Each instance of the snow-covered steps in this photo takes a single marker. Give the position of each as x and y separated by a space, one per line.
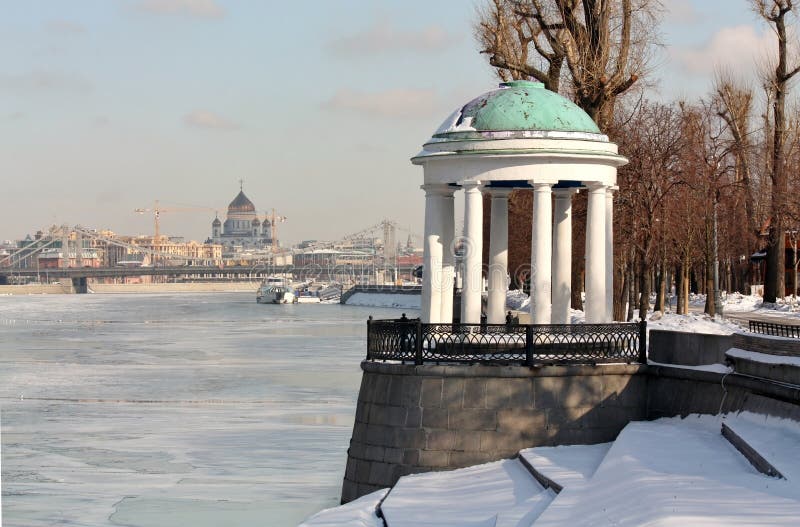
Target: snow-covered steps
357 513
776 441
781 368
758 461
564 466
501 493
676 472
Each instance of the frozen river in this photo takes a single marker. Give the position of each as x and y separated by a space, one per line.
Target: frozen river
166 410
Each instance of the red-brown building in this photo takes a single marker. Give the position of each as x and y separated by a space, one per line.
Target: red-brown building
55 259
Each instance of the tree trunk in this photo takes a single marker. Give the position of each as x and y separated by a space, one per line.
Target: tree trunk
644 289
620 291
661 282
774 270
631 291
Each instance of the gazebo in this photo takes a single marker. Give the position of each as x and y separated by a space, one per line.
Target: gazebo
517 136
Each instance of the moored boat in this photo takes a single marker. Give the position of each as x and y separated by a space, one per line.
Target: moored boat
275 294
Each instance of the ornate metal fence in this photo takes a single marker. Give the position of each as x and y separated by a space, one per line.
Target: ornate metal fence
778 330
413 341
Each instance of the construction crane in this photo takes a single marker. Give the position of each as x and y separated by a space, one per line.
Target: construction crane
157 209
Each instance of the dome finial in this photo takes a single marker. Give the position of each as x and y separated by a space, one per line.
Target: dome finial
241 184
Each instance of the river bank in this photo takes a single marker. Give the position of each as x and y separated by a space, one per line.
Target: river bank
169 287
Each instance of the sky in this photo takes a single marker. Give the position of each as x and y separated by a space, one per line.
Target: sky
316 106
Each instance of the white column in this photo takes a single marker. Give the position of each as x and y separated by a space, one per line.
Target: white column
498 257
610 253
448 256
432 254
473 249
596 255
562 255
541 252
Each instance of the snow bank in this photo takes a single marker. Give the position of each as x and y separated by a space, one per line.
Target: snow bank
738 303
692 323
398 300
498 493
517 300
566 465
678 472
357 513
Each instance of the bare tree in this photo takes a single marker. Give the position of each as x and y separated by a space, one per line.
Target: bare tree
654 143
593 50
775 13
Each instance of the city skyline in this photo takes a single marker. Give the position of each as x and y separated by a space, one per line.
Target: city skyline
109 106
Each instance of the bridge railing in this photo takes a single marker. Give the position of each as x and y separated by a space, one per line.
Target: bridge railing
777 330
527 344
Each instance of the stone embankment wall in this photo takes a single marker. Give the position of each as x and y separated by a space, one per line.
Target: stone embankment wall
198 287
37 289
420 418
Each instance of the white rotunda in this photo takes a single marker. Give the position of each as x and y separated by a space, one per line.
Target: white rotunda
517 136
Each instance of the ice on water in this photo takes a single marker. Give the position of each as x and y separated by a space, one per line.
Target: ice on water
193 409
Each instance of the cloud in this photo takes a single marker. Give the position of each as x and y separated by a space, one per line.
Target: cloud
192 8
65 27
382 38
208 120
42 82
681 12
729 48
396 104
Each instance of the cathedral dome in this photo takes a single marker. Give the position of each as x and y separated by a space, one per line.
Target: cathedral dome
241 204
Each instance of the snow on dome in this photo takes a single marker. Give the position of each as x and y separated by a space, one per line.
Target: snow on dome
520 109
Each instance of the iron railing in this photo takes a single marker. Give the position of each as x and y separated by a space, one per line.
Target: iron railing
777 330
528 344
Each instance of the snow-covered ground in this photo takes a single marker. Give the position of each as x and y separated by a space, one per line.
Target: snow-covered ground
693 322
669 472
739 303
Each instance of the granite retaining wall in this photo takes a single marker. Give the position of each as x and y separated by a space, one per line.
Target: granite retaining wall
419 418
690 349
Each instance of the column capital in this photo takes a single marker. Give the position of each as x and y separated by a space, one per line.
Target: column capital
540 185
471 184
438 189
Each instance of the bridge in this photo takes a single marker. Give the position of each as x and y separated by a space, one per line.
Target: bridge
81 275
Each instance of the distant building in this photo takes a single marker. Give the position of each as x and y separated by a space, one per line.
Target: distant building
131 251
59 259
242 227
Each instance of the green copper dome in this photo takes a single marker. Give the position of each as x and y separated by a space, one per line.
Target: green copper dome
517 106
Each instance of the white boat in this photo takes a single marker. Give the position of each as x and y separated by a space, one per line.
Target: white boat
275 290
275 294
